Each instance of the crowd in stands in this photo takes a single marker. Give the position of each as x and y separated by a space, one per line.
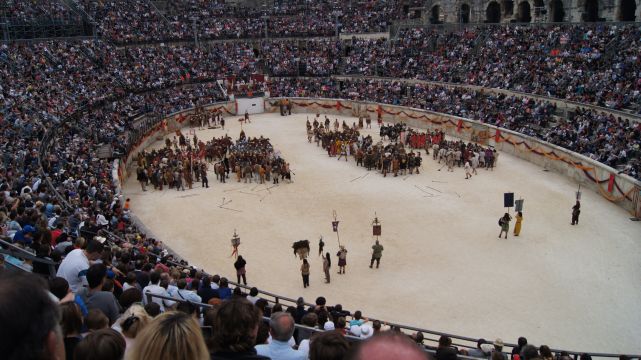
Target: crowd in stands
69 97
112 318
34 11
141 21
588 64
311 58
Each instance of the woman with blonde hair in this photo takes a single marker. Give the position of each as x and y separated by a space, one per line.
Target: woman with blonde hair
132 322
172 335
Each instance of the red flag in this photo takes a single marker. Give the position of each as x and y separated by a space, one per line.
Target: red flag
611 183
459 126
338 105
497 136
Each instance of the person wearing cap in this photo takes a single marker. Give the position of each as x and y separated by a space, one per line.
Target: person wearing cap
366 331
355 330
329 326
498 348
24 236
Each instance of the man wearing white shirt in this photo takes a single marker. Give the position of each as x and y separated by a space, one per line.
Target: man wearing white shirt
281 329
184 294
74 266
155 289
253 295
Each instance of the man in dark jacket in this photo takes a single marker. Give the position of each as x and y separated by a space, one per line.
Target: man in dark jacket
236 327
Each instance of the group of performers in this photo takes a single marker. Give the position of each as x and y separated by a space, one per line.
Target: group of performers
401 155
204 119
180 163
470 156
392 158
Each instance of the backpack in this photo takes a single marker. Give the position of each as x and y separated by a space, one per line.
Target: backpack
500 221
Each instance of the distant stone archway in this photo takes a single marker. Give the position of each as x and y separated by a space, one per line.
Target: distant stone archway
493 13
524 12
508 7
435 14
557 11
465 13
539 8
627 10
591 11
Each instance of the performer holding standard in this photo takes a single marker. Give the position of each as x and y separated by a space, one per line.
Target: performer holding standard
342 259
576 210
377 252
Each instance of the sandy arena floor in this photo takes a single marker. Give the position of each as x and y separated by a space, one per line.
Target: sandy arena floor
443 267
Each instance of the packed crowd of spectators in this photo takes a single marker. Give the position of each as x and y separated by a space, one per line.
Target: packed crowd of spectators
70 97
597 65
69 75
138 21
588 64
294 58
33 11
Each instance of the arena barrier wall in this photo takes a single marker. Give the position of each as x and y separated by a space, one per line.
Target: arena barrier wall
465 129
617 188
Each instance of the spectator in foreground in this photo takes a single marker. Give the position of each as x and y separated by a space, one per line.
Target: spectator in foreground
95 297
224 292
478 352
155 289
133 321
236 327
517 350
76 263
104 344
329 345
531 352
71 324
445 351
30 319
96 320
546 353
281 328
173 335
389 345
206 292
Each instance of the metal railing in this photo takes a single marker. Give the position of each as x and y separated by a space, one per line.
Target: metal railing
350 338
7 248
